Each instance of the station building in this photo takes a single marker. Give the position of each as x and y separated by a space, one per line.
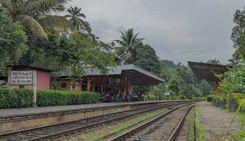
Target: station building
119 80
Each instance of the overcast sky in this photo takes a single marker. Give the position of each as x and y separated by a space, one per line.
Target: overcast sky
179 30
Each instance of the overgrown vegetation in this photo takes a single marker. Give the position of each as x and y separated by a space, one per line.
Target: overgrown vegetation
181 83
31 35
195 129
19 98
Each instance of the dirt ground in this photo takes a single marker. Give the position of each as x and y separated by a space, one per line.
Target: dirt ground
215 122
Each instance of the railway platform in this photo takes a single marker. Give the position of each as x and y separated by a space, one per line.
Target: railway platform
12 120
45 123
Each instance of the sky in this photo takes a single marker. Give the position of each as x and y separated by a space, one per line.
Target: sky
179 30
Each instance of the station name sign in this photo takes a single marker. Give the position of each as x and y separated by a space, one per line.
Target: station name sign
21 77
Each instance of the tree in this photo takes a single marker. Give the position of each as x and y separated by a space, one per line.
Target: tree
127 44
167 69
76 20
238 35
12 41
234 81
213 61
35 14
145 58
205 88
80 50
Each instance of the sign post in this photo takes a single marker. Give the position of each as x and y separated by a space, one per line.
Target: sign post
34 103
24 78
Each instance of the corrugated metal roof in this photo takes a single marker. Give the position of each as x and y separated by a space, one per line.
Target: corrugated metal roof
117 70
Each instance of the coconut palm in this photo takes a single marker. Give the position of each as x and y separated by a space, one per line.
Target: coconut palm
128 43
76 19
35 14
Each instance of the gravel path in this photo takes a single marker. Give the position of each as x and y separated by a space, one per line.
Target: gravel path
216 121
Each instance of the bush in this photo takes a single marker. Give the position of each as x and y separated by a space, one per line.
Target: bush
242 105
19 98
210 98
199 99
150 97
237 98
231 101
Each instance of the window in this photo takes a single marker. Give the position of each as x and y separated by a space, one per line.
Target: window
63 85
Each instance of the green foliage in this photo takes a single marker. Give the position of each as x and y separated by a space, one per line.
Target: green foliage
180 82
167 69
199 127
213 61
184 83
205 88
234 81
12 40
240 135
193 120
128 44
34 15
238 35
210 97
237 98
19 98
83 50
76 20
150 97
145 58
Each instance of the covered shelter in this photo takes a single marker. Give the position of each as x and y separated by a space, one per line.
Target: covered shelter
208 72
119 80
205 71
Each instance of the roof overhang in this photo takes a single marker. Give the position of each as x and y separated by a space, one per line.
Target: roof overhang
205 71
134 74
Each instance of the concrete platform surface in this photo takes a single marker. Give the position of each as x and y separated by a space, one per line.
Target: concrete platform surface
41 110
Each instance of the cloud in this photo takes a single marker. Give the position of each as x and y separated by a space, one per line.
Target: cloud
195 30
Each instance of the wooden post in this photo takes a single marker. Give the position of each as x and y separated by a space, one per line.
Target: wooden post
88 85
101 85
130 88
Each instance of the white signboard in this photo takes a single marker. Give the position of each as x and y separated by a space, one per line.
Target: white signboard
21 78
167 93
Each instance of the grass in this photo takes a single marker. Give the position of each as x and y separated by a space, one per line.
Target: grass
108 131
190 121
199 127
240 135
194 119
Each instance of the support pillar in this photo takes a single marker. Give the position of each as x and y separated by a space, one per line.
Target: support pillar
88 85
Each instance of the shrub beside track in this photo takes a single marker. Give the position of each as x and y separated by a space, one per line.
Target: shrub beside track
20 98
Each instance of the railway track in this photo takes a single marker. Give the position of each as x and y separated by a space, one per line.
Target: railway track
164 127
53 131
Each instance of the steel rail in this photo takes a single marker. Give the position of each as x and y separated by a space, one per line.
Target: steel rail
145 125
69 131
179 126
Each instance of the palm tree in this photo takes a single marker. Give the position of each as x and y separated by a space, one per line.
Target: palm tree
76 20
35 14
128 43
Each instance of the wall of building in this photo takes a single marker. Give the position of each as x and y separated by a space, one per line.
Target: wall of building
66 85
43 80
